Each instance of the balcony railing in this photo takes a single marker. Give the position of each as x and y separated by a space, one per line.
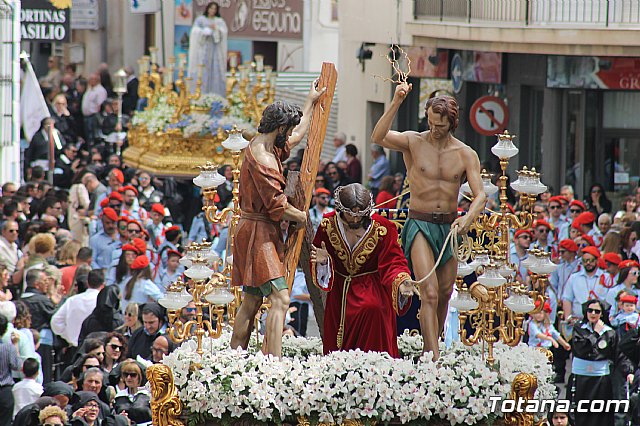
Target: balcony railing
591 13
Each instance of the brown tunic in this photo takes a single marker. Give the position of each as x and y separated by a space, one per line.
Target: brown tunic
258 251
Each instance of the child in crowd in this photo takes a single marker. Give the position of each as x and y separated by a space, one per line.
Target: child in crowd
627 313
542 333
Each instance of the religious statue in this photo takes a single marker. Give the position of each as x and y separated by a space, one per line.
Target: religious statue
356 258
437 164
208 47
258 252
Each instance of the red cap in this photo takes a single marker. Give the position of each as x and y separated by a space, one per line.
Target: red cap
140 245
585 218
110 213
523 231
130 247
576 225
124 219
116 196
546 307
629 264
173 253
578 203
589 239
602 264
510 207
141 262
118 174
105 202
132 220
323 191
158 208
129 188
592 250
569 245
558 199
173 228
542 222
629 298
612 258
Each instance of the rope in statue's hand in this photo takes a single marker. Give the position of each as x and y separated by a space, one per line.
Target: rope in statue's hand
452 239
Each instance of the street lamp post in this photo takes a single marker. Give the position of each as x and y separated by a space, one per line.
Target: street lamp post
120 87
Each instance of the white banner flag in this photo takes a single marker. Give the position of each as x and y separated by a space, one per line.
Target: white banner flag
33 108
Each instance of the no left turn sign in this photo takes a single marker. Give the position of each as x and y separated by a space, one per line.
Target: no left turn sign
489 115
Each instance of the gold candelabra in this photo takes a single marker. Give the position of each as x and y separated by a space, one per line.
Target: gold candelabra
495 305
206 288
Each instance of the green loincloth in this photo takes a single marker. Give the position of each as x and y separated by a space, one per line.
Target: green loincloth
434 233
265 289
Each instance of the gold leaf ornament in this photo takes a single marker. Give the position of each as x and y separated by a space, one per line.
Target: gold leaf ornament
61 4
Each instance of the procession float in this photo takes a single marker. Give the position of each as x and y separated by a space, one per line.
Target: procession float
204 382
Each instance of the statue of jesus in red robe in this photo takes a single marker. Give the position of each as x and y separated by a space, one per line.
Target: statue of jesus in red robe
356 258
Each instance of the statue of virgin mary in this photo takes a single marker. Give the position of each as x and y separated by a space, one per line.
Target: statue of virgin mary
208 46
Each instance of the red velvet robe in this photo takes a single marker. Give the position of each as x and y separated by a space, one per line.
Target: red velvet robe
367 308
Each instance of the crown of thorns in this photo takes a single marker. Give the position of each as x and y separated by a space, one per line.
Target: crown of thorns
342 209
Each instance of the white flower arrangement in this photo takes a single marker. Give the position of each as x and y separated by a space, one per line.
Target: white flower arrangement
155 119
230 383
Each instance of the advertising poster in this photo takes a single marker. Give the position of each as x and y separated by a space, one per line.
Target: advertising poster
428 61
593 72
482 67
184 12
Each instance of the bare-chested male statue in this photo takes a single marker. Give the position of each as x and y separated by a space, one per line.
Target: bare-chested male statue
437 164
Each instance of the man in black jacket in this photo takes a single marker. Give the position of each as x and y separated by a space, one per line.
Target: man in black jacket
153 326
41 308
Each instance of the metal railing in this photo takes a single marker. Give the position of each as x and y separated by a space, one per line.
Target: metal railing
598 13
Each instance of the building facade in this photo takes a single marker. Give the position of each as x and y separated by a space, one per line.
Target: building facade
567 74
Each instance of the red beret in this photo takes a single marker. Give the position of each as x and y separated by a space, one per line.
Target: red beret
558 199
141 262
118 174
173 228
110 213
124 219
132 220
523 231
105 202
592 250
130 247
576 225
602 264
542 222
569 245
158 208
116 196
589 239
629 298
585 218
612 258
129 188
140 245
629 264
323 191
173 253
546 307
578 203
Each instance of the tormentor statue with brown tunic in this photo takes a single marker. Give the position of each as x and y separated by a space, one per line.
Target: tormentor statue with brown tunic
258 251
437 164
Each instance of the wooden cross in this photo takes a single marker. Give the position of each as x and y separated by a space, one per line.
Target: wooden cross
309 167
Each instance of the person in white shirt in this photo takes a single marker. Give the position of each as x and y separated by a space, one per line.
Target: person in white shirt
93 98
67 321
27 390
339 141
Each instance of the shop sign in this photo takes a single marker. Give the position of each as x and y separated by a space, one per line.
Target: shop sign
489 115
85 15
259 19
44 20
593 72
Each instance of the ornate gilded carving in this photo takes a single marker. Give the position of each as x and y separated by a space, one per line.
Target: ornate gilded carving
523 387
547 353
166 406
